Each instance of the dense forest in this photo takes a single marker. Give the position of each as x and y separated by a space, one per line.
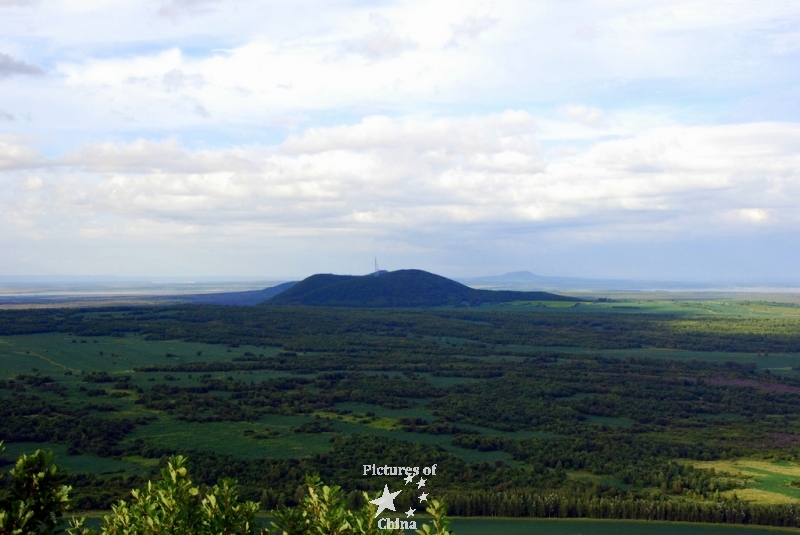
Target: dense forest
567 412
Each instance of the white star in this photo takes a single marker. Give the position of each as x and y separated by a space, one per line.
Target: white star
385 501
409 478
410 512
420 483
423 497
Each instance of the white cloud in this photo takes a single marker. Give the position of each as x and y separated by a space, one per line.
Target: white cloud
470 28
752 215
14 154
176 79
585 115
204 119
251 62
32 183
19 3
177 9
144 156
451 173
383 43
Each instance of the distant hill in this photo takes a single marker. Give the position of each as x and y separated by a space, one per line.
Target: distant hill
524 280
403 288
247 298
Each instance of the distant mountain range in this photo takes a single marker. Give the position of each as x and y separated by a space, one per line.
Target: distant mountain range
402 288
524 280
416 288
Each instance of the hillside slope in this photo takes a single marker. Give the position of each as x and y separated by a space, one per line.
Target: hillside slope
403 288
246 298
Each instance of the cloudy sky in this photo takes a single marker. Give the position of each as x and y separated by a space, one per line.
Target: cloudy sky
655 139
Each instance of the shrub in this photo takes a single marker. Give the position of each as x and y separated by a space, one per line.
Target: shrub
34 498
174 506
323 511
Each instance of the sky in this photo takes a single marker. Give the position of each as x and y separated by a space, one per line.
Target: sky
655 139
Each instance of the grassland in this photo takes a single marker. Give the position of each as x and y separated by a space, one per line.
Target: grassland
762 481
230 438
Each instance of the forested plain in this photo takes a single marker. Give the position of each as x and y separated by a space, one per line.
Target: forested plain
620 410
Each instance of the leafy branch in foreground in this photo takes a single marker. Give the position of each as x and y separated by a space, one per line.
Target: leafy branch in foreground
36 497
323 511
441 524
174 506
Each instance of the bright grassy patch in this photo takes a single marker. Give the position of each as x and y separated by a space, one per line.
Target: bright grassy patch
375 422
657 304
770 481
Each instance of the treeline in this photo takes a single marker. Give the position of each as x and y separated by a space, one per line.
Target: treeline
273 482
634 459
326 329
553 505
34 498
28 418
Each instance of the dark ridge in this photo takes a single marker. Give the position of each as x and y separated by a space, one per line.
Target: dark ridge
403 288
248 298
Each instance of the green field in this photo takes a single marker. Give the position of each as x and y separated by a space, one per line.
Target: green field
229 437
52 353
469 526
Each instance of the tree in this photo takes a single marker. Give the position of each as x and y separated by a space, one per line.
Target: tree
34 497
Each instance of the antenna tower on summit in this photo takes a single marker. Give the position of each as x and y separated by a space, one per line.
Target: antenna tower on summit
376 266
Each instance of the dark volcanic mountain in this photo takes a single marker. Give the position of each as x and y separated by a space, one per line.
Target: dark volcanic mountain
403 288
